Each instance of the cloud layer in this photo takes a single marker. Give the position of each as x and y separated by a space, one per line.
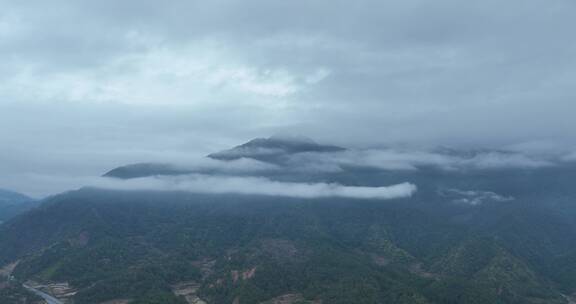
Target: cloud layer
256 186
413 159
89 85
54 179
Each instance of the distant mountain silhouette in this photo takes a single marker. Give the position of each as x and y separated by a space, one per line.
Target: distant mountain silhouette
273 149
13 203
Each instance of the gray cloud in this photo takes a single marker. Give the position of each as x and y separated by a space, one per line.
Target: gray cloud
412 159
89 85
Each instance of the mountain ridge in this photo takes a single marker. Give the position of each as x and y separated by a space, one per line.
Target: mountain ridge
467 236
13 203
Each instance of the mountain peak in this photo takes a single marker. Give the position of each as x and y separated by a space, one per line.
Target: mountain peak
272 148
292 138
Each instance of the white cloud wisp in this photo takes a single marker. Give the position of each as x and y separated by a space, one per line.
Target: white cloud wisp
256 186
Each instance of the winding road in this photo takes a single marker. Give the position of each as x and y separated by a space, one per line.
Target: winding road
48 298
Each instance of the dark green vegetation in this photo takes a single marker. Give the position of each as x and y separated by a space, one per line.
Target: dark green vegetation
137 245
17 294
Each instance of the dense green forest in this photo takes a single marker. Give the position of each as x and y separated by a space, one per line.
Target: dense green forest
111 245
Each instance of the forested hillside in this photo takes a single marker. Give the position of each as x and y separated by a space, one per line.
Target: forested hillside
111 245
467 235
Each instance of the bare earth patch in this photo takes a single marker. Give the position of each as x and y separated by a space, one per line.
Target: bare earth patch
189 291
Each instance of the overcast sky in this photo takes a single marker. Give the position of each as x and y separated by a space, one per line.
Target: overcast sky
88 85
